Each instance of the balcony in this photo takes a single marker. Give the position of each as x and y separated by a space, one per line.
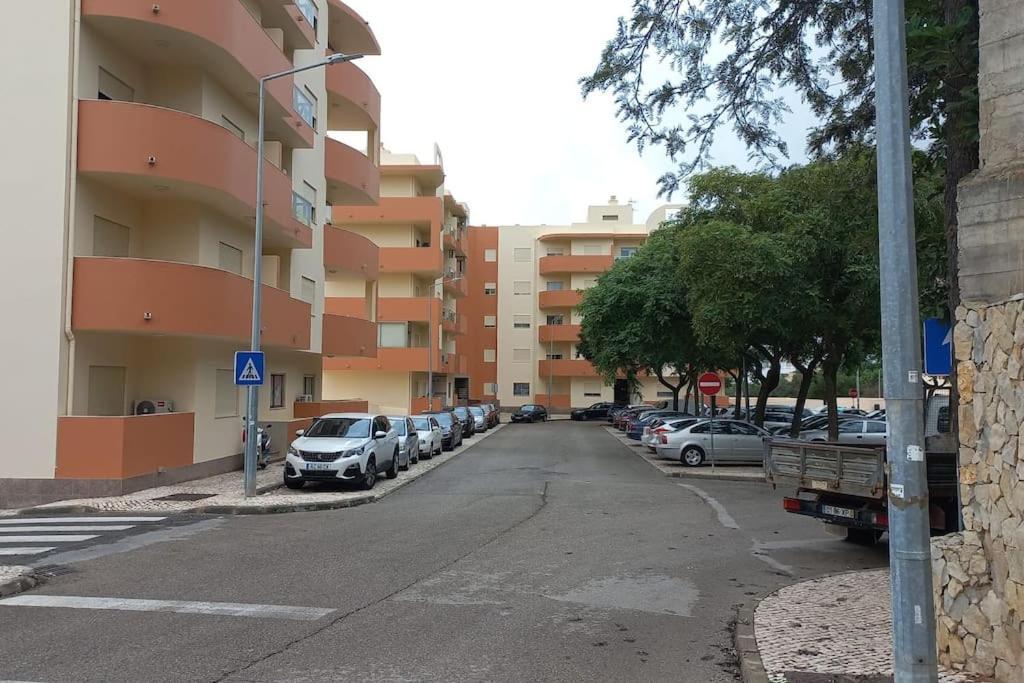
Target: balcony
353 101
219 37
558 333
450 322
456 285
91 447
554 265
406 359
566 368
419 260
409 309
299 34
424 212
352 177
141 296
350 253
454 240
348 32
349 336
161 154
561 298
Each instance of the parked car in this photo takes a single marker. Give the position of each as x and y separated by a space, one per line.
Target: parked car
814 422
853 432
598 411
451 428
636 427
653 431
468 421
408 441
734 442
430 435
616 413
622 418
480 423
493 414
531 412
348 447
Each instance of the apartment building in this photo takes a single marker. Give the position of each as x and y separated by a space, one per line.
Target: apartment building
525 323
420 230
131 177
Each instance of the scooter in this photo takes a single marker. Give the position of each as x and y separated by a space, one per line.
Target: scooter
262 445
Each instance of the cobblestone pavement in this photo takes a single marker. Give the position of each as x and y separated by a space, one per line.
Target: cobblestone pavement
672 468
225 491
15 578
837 625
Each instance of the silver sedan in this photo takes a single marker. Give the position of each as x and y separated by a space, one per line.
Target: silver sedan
733 442
853 433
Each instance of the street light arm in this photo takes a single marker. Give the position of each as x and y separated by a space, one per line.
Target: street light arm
333 59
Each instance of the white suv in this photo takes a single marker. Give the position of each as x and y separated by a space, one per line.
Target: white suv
350 447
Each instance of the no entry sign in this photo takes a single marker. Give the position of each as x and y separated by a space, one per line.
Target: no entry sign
709 384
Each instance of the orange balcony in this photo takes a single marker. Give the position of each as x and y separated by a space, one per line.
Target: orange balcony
454 242
354 307
352 178
345 335
218 35
409 309
420 260
283 14
407 359
348 32
554 401
416 211
351 253
566 368
562 298
558 333
163 154
458 287
141 296
91 447
353 99
308 409
450 324
553 265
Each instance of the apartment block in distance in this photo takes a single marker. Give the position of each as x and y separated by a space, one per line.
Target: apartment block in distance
525 324
134 192
420 230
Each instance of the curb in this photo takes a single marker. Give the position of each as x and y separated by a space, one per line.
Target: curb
682 474
744 640
22 583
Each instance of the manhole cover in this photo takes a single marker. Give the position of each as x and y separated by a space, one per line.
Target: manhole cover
51 570
187 496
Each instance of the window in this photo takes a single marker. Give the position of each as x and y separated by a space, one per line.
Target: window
610 217
555 285
743 429
522 254
490 255
851 427
309 385
226 395
110 238
555 251
520 388
277 391
229 258
490 389
592 249
309 11
521 322
233 127
490 288
392 335
592 389
307 290
302 209
554 356
557 319
626 252
304 104
520 287
113 88
490 321
521 355
876 428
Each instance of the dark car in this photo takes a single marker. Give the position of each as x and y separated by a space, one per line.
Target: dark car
530 412
468 421
598 411
635 430
451 428
493 415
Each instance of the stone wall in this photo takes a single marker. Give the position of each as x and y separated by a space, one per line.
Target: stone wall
979 574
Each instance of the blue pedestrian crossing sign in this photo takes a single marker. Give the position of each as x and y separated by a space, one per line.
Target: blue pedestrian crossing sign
249 366
938 347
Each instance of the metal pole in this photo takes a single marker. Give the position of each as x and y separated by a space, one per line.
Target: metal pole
712 433
430 346
913 612
551 352
858 389
253 393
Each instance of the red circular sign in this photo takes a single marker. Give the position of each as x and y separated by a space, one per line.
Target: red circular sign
709 384
853 393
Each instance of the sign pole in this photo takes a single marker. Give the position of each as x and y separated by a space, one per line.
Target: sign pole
712 433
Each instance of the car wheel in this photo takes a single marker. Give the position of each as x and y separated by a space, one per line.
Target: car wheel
294 484
416 460
392 471
692 457
370 476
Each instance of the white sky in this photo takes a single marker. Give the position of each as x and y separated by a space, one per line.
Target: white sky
495 85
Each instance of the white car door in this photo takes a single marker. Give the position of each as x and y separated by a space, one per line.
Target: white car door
437 438
852 432
748 441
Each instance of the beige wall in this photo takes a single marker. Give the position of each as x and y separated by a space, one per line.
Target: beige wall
387 392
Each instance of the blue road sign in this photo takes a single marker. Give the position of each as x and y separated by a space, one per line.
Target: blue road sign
249 366
938 347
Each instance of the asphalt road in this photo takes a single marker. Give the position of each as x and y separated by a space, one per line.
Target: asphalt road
547 553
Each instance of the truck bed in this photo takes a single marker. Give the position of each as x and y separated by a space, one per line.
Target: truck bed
833 468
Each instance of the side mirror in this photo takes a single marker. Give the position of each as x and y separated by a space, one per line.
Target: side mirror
300 432
380 435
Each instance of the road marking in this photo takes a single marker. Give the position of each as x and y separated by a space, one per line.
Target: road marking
65 528
223 609
77 520
724 518
47 538
33 550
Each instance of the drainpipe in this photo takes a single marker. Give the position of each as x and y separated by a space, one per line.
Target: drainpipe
70 201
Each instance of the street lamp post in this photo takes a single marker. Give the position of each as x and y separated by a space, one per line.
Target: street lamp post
252 392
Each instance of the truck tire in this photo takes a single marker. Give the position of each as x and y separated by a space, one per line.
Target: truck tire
866 537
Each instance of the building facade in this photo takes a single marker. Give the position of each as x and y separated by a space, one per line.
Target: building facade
131 284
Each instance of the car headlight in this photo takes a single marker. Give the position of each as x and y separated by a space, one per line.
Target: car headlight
354 451
292 451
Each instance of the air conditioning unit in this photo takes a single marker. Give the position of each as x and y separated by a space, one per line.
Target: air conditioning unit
304 398
149 406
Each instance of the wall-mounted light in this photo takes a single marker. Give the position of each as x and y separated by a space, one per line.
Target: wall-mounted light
151 160
147 316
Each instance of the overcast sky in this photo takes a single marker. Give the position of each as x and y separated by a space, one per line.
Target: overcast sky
495 85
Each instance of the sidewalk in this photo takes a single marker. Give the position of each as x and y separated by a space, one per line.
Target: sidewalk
834 629
222 494
673 468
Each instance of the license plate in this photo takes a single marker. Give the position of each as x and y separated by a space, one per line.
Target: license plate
838 512
320 466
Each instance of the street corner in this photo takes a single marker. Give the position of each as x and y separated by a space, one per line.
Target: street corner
15 579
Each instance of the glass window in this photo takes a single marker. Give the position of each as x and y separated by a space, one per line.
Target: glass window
521 389
490 321
521 355
490 255
302 209
744 429
851 427
555 285
555 251
490 288
610 217
226 394
444 419
521 287
277 391
307 290
489 355
304 104
392 335
522 254
399 424
626 252
521 322
309 385
555 356
876 427
557 319
422 424
339 427
309 11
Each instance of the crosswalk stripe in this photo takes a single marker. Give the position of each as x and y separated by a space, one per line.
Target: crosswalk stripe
76 520
33 550
73 527
47 538
229 609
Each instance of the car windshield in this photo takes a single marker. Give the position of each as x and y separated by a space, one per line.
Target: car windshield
528 408
461 412
339 428
399 424
478 411
444 419
421 423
